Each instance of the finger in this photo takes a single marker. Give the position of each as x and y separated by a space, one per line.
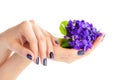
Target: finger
95 44
98 40
21 50
50 43
50 51
41 42
55 41
27 31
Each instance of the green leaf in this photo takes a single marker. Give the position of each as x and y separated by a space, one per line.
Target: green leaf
64 23
64 42
65 45
62 27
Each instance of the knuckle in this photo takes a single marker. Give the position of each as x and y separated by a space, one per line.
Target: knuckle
48 39
42 39
25 22
47 35
34 41
24 25
32 21
42 45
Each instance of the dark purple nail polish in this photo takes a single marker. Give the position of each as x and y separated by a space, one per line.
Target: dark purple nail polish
103 37
81 52
51 55
37 60
29 56
56 42
45 62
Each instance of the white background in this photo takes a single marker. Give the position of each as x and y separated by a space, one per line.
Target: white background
102 64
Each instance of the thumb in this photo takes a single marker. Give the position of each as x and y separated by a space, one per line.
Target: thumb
22 50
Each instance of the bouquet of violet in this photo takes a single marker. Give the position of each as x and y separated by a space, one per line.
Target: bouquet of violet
79 35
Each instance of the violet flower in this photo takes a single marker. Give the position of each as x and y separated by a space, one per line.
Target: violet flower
78 34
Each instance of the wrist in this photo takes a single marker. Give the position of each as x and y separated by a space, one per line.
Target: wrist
4 52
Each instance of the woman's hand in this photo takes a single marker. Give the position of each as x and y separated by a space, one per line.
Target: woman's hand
28 32
70 55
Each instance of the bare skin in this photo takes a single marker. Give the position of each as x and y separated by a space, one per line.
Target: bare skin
26 46
38 40
70 55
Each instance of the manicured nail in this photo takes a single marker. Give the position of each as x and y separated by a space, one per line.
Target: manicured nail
56 42
37 60
81 52
45 62
29 56
51 55
103 37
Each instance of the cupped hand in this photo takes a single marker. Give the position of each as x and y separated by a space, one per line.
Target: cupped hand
70 55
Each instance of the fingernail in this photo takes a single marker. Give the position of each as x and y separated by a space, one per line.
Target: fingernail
37 60
81 52
29 56
45 62
56 42
51 55
103 37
